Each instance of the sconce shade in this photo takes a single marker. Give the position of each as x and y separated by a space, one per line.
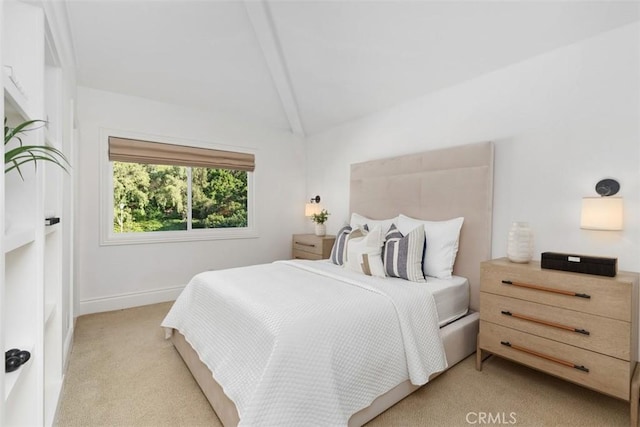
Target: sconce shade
311 208
601 213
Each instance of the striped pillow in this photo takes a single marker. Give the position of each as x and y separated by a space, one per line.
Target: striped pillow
339 250
363 252
403 254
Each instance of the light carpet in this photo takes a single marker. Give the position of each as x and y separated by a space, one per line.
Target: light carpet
122 372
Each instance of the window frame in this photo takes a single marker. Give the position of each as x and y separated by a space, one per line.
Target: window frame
108 237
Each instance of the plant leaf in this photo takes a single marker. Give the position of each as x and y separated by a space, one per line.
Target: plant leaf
10 133
18 156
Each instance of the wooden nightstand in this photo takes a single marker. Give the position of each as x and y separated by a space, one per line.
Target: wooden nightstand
579 327
310 246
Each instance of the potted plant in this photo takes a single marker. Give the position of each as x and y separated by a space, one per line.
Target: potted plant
21 154
319 219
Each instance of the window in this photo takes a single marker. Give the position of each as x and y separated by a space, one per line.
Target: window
164 192
218 198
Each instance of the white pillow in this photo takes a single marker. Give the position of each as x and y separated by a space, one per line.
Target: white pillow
442 243
360 220
364 253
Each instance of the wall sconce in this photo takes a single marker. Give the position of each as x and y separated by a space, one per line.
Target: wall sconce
313 207
604 212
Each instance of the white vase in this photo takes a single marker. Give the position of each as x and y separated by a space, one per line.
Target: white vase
321 229
520 243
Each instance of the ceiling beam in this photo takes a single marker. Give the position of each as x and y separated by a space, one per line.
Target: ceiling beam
262 22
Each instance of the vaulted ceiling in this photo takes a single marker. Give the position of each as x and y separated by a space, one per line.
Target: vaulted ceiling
310 65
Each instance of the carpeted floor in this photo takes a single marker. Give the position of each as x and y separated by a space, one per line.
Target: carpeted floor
123 373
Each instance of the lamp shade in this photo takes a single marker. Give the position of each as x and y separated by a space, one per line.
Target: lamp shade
601 213
311 208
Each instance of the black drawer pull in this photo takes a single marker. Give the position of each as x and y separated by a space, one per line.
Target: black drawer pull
546 322
545 356
311 245
545 289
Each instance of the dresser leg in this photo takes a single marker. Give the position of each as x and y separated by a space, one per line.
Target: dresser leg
478 354
635 395
481 356
478 360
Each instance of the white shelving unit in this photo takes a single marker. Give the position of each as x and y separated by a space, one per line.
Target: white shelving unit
35 303
15 238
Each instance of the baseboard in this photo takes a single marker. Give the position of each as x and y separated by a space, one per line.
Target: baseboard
133 299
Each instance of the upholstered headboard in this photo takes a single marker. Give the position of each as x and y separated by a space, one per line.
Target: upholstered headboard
435 185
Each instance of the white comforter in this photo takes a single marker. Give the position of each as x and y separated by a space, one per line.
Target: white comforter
306 342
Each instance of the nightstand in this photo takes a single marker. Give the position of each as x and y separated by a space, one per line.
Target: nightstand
310 246
578 327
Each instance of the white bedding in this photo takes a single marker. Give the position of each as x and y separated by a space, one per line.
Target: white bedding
451 296
301 342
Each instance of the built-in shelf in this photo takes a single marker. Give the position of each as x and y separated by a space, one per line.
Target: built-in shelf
35 281
15 97
49 312
52 391
49 229
50 140
12 378
18 237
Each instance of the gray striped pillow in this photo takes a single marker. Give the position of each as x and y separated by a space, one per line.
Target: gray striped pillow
403 254
339 250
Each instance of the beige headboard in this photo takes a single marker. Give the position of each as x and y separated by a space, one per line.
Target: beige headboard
435 185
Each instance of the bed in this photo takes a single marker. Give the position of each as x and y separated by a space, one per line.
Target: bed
436 186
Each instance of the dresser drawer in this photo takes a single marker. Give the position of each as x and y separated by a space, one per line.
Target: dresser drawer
601 334
605 374
597 295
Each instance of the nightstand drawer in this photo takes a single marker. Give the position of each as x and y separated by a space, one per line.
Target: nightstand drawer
604 335
298 254
599 372
598 295
307 243
310 246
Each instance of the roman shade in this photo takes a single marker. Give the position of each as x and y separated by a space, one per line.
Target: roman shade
156 153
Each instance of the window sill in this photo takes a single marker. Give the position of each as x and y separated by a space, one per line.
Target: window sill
153 237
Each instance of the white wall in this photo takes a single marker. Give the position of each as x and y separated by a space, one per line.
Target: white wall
113 277
560 121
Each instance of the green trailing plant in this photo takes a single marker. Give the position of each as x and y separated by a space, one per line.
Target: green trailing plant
17 156
321 217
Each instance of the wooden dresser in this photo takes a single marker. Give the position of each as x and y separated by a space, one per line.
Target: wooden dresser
579 327
310 246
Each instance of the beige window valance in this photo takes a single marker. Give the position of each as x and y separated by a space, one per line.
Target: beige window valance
156 153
